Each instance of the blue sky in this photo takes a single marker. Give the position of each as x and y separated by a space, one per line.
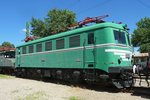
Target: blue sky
15 13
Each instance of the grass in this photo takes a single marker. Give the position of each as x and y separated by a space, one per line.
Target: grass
40 95
75 98
5 76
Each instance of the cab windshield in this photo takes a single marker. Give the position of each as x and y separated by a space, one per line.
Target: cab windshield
119 37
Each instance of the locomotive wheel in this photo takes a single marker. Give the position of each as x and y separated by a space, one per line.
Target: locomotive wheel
127 80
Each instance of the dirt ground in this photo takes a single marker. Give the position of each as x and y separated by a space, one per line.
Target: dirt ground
25 89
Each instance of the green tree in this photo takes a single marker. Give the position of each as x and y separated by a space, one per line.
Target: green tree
141 35
39 28
56 21
7 44
60 20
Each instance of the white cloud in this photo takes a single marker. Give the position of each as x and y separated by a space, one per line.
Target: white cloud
24 30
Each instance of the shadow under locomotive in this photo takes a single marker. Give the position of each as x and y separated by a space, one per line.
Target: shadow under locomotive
143 92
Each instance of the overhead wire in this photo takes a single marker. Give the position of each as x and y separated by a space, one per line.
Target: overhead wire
93 7
142 3
73 4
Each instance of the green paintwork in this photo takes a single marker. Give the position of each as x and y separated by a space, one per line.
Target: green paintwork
100 55
77 31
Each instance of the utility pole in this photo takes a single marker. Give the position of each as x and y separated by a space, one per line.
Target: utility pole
27 29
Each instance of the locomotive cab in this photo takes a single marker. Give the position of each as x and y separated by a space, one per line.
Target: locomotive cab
120 70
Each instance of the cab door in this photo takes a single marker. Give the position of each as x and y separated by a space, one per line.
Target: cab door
18 57
90 51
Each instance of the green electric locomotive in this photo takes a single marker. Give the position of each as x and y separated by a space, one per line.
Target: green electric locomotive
97 53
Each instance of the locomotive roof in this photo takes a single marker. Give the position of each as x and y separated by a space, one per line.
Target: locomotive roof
76 31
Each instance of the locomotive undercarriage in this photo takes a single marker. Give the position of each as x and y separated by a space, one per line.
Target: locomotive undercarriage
60 74
7 70
72 75
119 77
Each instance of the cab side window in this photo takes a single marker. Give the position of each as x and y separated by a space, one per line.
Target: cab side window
91 38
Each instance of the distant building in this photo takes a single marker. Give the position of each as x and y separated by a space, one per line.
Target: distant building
141 55
7 52
5 49
141 59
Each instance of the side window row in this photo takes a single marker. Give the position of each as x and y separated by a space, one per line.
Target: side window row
74 41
